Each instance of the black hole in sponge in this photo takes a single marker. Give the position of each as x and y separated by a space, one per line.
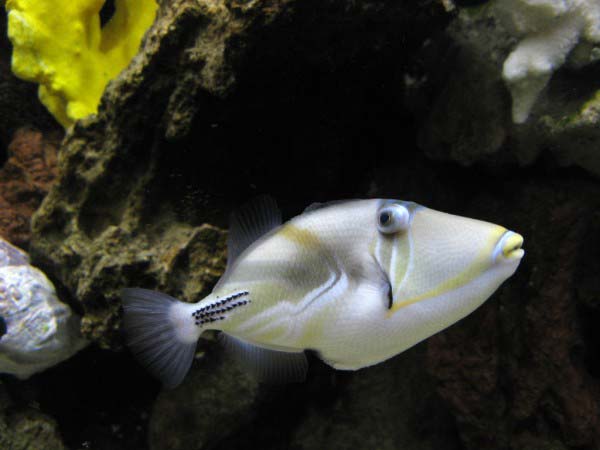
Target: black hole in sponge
107 11
3 328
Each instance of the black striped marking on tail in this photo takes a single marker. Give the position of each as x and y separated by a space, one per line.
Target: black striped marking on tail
218 309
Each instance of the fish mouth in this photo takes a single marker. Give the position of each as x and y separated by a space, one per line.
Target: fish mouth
509 247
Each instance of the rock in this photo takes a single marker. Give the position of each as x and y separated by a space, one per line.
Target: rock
470 120
220 407
550 31
31 431
24 181
531 357
38 330
26 429
389 406
217 398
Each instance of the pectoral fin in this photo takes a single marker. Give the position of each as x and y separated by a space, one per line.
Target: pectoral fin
320 205
270 366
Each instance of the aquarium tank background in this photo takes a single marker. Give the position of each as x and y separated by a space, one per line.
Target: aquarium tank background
130 130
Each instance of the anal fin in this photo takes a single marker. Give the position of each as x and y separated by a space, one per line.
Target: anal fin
267 365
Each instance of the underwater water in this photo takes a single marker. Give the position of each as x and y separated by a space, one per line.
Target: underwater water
471 108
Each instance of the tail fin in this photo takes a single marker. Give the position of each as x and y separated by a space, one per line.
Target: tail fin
159 334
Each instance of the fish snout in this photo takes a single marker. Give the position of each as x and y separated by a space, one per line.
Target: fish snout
509 247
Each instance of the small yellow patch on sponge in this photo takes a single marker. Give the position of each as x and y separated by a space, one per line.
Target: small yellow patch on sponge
61 45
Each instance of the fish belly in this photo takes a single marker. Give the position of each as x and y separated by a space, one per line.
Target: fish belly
363 333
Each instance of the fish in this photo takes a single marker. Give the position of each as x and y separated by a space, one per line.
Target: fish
356 282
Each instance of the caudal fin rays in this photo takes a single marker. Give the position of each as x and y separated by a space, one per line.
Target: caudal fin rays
152 335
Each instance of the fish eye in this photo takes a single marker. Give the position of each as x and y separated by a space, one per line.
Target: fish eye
384 218
393 218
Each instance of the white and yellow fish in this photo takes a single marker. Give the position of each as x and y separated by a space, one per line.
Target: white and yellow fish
357 282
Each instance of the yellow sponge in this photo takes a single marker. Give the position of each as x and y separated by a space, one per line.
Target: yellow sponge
61 45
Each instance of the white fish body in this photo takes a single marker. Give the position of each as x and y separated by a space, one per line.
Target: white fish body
339 280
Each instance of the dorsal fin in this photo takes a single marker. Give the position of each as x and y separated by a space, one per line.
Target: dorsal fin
314 206
250 222
321 205
266 365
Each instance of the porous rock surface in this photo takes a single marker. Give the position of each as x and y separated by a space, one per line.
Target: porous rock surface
320 100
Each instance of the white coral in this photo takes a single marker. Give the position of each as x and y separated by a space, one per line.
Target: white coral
550 30
40 331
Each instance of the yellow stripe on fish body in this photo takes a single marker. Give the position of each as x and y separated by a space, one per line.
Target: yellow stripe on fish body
293 263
